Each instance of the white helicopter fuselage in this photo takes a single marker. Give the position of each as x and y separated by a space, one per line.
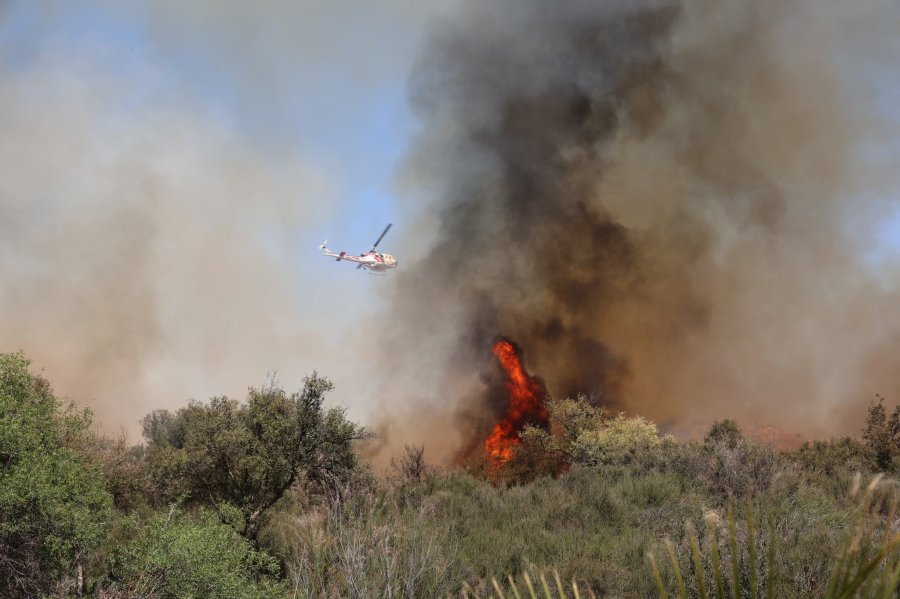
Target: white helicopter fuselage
372 261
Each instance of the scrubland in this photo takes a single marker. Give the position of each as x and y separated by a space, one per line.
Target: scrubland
267 497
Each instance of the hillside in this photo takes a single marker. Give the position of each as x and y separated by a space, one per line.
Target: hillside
267 497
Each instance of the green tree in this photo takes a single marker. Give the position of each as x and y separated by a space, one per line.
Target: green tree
249 454
725 432
53 508
882 434
175 556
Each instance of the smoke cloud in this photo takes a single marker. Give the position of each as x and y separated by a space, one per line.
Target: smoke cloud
666 204
163 183
143 249
670 205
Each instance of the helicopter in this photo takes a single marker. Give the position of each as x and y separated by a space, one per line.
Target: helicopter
372 261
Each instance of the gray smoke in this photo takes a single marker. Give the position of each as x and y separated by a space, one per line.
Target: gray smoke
144 250
162 192
665 203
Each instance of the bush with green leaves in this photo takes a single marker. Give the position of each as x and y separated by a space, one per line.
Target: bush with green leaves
580 432
249 454
177 555
724 432
54 508
882 436
618 441
745 469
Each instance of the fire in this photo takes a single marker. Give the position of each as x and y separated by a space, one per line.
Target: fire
526 404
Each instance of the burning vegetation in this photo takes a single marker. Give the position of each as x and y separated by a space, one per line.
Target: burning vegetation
525 403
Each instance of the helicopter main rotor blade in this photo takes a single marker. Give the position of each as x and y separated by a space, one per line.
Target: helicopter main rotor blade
383 233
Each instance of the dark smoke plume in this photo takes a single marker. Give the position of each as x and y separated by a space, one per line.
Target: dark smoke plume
651 197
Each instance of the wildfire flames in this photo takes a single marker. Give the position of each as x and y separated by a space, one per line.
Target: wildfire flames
525 405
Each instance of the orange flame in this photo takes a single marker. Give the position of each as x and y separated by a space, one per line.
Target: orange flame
526 404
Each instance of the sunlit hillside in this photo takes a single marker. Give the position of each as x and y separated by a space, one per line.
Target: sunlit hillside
267 496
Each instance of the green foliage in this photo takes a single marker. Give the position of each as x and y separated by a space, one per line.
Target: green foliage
53 508
569 418
592 525
834 457
124 468
882 435
867 566
595 524
250 454
724 432
366 543
745 469
726 465
541 587
592 495
581 433
177 556
618 441
828 465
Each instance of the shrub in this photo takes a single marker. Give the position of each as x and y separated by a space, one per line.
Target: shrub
744 470
617 441
882 435
726 464
724 432
175 555
580 433
828 465
410 466
53 507
250 454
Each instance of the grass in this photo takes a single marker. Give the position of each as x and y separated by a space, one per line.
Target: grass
539 588
589 529
454 534
866 567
